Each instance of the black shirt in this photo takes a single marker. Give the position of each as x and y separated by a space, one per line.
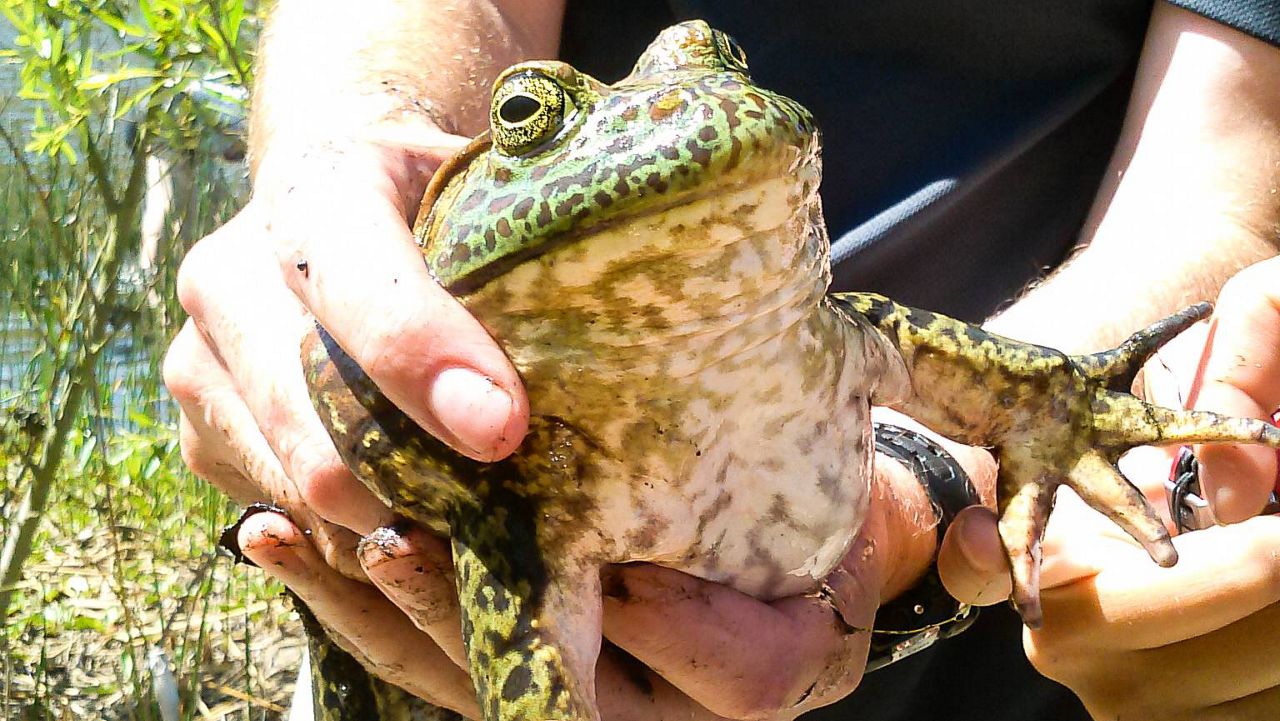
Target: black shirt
963 144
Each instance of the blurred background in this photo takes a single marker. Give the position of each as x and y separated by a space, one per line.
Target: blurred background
121 143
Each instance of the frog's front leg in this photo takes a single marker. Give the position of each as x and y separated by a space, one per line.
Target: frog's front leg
1053 419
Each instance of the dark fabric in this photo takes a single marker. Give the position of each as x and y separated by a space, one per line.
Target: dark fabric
980 675
963 144
1259 18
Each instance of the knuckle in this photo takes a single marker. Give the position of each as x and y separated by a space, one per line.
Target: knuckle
180 368
398 352
337 546
1046 651
198 273
322 480
1056 655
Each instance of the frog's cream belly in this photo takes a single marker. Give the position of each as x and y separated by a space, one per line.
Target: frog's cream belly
766 497
754 478
728 409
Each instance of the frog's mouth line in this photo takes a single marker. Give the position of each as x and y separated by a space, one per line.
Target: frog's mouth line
478 278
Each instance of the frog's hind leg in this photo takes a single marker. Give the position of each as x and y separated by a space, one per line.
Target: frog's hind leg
343 690
530 618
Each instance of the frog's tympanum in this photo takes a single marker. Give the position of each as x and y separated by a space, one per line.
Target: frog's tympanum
652 257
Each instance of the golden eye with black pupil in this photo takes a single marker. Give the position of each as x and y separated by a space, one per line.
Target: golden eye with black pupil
731 53
527 109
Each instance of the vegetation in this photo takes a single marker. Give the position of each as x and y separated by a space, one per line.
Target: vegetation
107 557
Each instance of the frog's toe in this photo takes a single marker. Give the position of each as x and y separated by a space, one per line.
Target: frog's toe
1101 485
1023 515
1116 368
1122 421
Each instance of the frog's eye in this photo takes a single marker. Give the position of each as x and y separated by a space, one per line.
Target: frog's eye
528 108
731 53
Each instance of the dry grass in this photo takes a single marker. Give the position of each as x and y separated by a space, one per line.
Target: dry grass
127 562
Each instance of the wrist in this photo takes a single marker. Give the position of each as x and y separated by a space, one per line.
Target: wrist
906 523
920 611
902 512
905 506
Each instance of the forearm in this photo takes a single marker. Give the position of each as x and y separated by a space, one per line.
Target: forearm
1191 196
388 68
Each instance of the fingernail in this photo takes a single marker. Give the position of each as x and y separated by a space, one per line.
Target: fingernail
1227 506
382 545
472 408
979 541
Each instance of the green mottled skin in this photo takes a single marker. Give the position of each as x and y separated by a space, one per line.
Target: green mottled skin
652 257
344 691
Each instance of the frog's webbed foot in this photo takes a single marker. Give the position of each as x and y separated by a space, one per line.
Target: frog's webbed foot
1027 489
1052 419
1106 421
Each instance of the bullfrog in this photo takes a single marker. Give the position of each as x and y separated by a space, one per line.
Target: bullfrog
652 257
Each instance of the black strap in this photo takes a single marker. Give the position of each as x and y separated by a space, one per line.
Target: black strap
926 613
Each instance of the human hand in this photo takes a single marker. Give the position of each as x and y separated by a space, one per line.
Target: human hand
1195 641
693 649
1241 376
1133 640
327 235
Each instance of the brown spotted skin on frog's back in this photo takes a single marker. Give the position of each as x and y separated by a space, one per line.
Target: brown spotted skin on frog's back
652 257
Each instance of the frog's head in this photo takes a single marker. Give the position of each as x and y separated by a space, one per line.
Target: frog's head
567 156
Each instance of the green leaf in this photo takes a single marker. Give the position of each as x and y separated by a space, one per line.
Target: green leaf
53 47
99 81
232 16
119 24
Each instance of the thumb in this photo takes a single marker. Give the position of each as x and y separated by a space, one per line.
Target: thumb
972 561
1242 377
347 253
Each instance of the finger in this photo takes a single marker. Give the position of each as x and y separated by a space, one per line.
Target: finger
690 632
220 438
1224 574
415 571
213 462
345 250
971 561
359 617
221 444
1233 662
627 690
1242 377
229 285
1260 706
